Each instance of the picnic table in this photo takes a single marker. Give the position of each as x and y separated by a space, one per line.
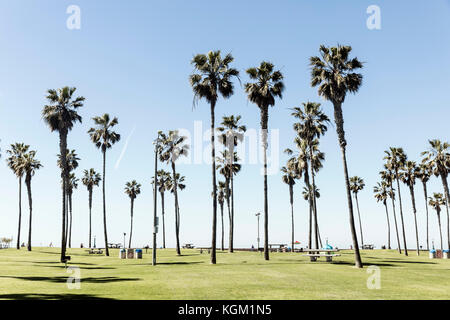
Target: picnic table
188 246
314 254
204 248
279 247
95 251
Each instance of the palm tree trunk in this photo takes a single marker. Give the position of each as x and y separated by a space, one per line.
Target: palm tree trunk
447 199
228 198
155 207
30 204
388 225
425 193
312 195
264 125
308 186
104 205
440 228
64 174
395 220
339 119
90 217
291 200
359 218
223 231
20 213
163 223
67 218
413 200
131 228
230 248
401 212
175 193
70 221
214 185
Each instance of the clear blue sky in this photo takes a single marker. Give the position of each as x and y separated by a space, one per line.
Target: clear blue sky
131 59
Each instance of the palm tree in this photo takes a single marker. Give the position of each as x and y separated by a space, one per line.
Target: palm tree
334 73
103 137
30 166
307 196
438 158
173 185
72 164
424 174
90 180
174 146
388 177
73 184
268 84
408 177
213 78
61 115
311 127
228 166
356 185
288 178
162 179
221 187
132 189
231 132
15 163
381 193
436 201
396 159
299 164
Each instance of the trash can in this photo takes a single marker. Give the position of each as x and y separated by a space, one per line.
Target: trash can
432 254
446 254
130 253
138 253
123 254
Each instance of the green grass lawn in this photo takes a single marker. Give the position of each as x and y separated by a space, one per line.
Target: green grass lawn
241 275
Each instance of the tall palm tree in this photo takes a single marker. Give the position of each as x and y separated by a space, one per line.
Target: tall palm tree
268 85
221 200
395 160
356 185
424 175
307 196
436 201
30 166
409 176
311 127
213 77
104 138
388 177
288 177
174 146
15 163
162 179
132 189
334 73
381 193
438 158
231 133
61 115
90 179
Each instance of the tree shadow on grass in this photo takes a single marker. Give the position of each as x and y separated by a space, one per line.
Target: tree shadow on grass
38 296
59 262
77 266
61 279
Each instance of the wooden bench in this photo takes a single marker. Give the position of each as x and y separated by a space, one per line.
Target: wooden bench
314 256
201 249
